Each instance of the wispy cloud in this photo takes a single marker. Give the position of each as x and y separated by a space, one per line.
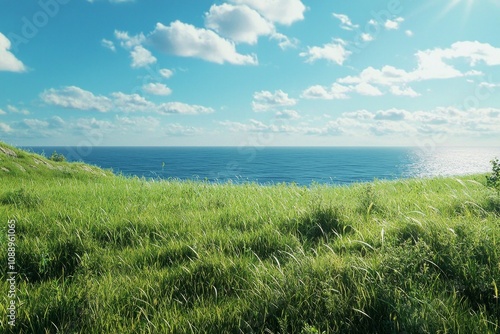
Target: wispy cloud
345 22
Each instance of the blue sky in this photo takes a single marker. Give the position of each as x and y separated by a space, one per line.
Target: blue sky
250 72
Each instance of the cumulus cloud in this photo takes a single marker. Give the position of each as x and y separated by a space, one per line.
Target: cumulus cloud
393 24
265 100
283 12
391 115
157 89
9 62
431 64
340 92
127 41
239 23
76 98
334 52
2 112
391 123
182 108
345 22
335 92
141 57
131 102
185 40
364 88
287 114
403 91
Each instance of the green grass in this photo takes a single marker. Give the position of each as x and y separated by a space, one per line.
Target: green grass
98 253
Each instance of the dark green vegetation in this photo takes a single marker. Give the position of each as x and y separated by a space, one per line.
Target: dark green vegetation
97 253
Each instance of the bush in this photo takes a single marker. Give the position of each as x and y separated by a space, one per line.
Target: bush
493 180
57 157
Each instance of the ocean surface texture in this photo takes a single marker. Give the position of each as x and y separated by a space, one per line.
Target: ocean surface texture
302 165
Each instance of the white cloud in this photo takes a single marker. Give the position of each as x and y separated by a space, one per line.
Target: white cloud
391 115
141 57
431 65
137 124
186 40
364 88
5 128
108 44
345 22
239 23
403 91
9 62
393 24
489 85
131 102
334 52
256 126
475 52
56 122
265 100
409 33
14 110
76 98
335 92
359 115
319 92
157 89
406 126
340 92
284 42
176 129
166 73
182 108
283 12
88 124
367 37
2 112
34 123
127 41
288 114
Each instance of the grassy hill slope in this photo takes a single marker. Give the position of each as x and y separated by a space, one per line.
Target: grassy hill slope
97 253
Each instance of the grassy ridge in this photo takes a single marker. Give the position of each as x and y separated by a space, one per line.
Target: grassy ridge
98 253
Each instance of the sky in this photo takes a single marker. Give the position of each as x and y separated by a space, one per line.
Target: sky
250 73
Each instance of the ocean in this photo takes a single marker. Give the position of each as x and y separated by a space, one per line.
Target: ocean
271 165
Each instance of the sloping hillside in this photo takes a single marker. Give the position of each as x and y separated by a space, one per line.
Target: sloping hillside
16 162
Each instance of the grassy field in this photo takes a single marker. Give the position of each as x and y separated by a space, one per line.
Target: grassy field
98 253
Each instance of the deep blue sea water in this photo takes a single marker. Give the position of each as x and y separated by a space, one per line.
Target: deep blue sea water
302 165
